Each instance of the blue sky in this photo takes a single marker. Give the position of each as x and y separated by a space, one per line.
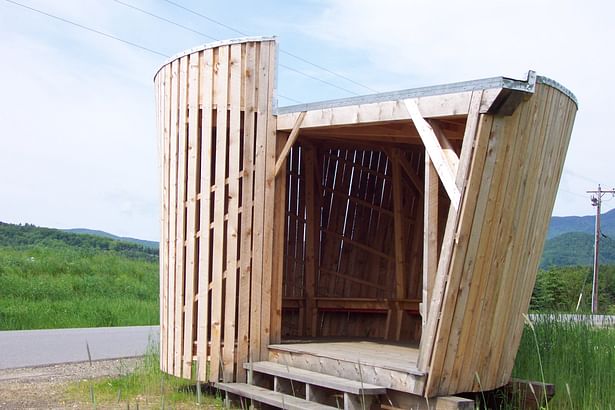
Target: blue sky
78 145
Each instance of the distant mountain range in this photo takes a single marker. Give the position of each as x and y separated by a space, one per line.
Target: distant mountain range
103 234
570 240
585 224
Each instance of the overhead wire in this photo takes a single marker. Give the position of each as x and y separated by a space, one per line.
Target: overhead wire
53 16
107 35
216 39
282 51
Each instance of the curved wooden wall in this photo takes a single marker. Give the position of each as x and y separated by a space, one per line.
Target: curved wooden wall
514 176
218 142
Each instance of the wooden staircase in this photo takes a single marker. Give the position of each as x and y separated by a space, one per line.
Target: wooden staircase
286 387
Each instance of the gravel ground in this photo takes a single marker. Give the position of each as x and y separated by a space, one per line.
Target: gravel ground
45 387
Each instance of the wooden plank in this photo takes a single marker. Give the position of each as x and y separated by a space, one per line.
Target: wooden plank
292 138
219 235
403 162
364 368
232 197
270 302
436 106
360 245
556 138
479 145
173 216
314 378
498 310
312 234
164 244
205 240
482 236
400 240
468 151
258 249
271 398
243 341
436 153
447 148
191 214
181 215
430 235
460 235
489 262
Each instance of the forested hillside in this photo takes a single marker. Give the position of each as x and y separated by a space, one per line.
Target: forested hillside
19 236
53 279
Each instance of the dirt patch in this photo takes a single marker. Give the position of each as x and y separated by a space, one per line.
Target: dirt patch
45 387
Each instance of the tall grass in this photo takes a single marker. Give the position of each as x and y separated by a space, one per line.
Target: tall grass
145 387
577 358
42 287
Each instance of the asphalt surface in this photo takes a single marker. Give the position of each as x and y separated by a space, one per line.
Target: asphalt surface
27 348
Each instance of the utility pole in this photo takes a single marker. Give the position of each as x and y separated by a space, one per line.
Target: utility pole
597 202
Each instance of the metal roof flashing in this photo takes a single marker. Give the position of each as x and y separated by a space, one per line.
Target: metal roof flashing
526 86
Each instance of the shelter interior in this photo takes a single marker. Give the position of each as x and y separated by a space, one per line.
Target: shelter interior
354 234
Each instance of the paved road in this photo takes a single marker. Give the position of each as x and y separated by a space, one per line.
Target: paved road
25 348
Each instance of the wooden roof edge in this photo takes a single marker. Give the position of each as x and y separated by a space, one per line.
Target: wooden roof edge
214 44
508 85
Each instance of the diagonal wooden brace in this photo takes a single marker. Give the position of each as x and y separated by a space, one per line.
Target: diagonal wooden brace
294 134
445 169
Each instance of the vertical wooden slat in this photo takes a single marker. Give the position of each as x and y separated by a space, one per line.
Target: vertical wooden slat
259 204
277 248
181 215
232 196
311 259
164 243
430 235
399 241
249 65
221 74
173 214
206 95
191 211
269 306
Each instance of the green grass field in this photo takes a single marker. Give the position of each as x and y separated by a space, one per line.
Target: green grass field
74 281
577 358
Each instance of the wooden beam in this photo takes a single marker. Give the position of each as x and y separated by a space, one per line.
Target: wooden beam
313 231
436 152
449 152
400 242
294 134
433 106
471 143
396 155
430 235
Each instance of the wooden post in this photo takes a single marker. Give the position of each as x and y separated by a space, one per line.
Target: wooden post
400 242
430 235
313 229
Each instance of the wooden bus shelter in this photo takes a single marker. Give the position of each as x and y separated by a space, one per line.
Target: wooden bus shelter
378 246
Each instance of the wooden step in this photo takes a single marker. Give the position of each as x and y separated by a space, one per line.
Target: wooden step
262 395
314 378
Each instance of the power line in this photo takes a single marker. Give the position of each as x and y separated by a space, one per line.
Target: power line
215 39
88 28
233 29
165 19
110 36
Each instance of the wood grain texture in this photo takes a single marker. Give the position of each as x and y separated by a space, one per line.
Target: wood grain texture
357 226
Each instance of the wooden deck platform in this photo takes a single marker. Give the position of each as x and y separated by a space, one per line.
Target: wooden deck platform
393 366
